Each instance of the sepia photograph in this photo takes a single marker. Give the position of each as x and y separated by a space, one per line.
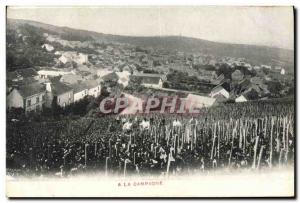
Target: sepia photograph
150 101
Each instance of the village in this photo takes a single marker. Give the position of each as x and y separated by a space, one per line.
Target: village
82 69
158 101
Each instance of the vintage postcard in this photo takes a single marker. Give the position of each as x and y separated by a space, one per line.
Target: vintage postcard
150 101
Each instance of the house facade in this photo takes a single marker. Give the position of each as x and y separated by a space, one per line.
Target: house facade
80 91
29 97
86 88
219 90
47 73
151 80
94 88
241 98
59 93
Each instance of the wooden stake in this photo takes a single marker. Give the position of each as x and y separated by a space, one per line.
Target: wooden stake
260 155
280 156
213 146
125 166
287 142
271 144
95 149
109 146
106 166
277 136
85 154
255 150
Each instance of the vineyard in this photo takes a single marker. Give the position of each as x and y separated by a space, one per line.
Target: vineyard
246 136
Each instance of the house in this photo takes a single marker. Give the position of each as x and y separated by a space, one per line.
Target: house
104 72
198 101
71 78
209 75
52 72
70 56
94 88
64 59
256 67
266 66
219 90
29 97
48 47
59 93
151 80
280 70
58 53
86 75
241 98
80 91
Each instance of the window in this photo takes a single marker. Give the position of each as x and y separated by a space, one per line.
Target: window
37 99
58 100
28 102
43 97
38 108
69 95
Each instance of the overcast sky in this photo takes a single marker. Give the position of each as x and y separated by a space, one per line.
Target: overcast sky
270 26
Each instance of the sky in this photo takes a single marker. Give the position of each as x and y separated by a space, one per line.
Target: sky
269 26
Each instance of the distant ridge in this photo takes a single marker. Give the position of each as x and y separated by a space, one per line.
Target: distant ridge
254 53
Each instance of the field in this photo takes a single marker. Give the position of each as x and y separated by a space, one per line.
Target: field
245 136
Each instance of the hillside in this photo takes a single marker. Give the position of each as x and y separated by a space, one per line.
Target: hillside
255 54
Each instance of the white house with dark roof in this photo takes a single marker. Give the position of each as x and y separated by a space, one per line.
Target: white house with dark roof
59 93
151 80
80 91
94 88
241 98
219 90
29 97
53 72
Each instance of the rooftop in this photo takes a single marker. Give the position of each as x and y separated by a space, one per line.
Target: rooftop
59 88
30 90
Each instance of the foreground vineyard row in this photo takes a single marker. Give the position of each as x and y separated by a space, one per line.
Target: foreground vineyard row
218 138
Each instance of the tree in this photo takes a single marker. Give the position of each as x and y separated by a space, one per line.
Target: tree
274 87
